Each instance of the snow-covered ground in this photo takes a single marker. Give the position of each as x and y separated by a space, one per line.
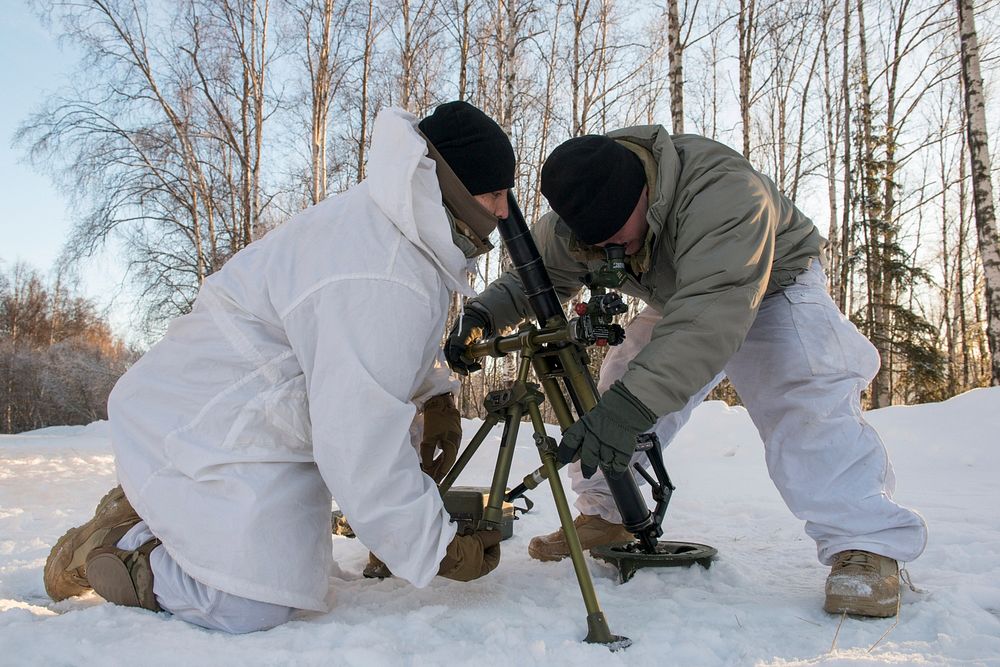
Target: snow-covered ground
759 604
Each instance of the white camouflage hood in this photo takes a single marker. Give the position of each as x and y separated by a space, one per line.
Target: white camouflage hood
403 184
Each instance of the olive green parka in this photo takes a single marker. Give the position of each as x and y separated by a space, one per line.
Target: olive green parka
721 237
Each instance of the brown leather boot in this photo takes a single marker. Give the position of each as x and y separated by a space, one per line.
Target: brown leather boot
593 531
65 573
376 569
863 584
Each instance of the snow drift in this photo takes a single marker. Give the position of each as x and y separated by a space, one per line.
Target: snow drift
760 602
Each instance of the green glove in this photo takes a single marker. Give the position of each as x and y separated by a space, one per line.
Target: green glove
606 435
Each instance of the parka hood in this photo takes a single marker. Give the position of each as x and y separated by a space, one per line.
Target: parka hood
402 182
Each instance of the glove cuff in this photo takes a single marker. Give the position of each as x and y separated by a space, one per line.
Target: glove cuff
440 402
482 317
619 400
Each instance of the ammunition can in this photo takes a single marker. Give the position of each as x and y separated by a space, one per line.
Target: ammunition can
465 504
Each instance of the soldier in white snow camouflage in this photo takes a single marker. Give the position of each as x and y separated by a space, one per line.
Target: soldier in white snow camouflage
295 378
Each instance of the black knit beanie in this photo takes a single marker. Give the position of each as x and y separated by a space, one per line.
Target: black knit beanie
593 183
473 145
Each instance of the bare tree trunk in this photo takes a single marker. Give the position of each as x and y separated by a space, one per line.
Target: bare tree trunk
675 56
830 128
321 89
483 95
800 138
949 286
463 51
982 186
246 23
747 28
960 293
548 104
597 85
845 228
580 8
887 226
366 67
406 56
715 85
871 209
509 61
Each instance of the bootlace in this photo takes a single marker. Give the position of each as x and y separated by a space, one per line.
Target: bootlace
857 558
904 576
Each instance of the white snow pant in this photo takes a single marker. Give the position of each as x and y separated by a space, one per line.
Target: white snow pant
196 603
800 373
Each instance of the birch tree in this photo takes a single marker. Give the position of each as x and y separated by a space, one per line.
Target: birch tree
675 55
323 24
126 143
747 33
982 186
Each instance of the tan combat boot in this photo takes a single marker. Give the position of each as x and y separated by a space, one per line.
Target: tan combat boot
863 584
65 573
593 531
376 569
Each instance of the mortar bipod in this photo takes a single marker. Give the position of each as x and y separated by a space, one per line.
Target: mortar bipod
509 405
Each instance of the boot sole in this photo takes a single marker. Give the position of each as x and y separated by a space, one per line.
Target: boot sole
381 572
547 556
115 582
543 556
840 604
60 581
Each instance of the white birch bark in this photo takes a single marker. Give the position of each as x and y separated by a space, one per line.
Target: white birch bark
982 186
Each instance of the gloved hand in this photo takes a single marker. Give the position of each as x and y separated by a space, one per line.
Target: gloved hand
474 326
442 431
606 435
471 556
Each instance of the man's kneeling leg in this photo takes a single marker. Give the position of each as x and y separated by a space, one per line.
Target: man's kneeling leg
196 603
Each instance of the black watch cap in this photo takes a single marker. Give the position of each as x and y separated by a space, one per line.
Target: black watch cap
473 145
593 183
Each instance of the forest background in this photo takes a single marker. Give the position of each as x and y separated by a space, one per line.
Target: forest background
194 127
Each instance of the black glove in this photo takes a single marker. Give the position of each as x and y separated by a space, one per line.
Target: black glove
469 328
606 435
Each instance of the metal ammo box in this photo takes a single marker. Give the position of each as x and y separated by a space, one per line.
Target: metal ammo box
465 504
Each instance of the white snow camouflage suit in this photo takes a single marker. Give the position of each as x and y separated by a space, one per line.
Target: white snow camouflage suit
295 377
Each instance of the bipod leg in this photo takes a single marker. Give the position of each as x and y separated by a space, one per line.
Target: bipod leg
512 403
467 454
493 512
598 631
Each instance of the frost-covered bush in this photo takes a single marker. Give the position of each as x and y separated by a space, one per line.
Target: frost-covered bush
58 357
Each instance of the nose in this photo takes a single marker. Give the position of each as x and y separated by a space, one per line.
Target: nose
500 207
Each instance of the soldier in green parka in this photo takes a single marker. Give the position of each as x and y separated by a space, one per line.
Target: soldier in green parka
732 276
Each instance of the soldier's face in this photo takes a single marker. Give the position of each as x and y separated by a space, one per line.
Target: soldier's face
633 233
494 202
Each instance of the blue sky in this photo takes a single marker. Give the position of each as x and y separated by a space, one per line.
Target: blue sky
34 216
